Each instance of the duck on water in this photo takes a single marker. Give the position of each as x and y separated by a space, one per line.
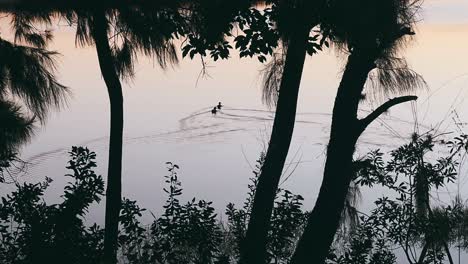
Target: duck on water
216 108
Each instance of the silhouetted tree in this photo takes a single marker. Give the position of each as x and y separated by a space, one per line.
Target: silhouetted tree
372 42
27 71
131 30
27 81
99 29
397 220
294 21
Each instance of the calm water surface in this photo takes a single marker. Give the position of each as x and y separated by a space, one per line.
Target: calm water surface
167 118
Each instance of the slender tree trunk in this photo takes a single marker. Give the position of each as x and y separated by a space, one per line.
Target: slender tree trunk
314 245
423 253
447 251
114 173
254 246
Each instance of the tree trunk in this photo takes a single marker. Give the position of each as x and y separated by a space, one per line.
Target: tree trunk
114 173
253 249
423 253
314 245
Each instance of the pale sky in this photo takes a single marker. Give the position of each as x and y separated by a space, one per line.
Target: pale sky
445 11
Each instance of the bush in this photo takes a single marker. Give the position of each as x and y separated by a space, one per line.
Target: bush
32 231
409 221
287 221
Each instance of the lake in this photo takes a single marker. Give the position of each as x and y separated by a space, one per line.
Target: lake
168 118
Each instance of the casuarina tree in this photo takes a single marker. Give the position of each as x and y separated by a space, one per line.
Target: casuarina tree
28 85
372 43
119 35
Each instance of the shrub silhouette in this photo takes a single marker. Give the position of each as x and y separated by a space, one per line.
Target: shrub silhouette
287 221
32 231
405 219
185 233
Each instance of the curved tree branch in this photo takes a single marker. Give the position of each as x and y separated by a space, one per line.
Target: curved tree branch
406 31
365 122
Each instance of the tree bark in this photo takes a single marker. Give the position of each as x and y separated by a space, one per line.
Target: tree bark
253 249
114 173
314 245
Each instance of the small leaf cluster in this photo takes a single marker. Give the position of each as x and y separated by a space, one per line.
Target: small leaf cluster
133 236
185 233
259 36
286 222
365 245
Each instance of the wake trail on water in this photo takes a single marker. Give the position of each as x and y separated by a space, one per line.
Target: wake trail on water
185 131
202 124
